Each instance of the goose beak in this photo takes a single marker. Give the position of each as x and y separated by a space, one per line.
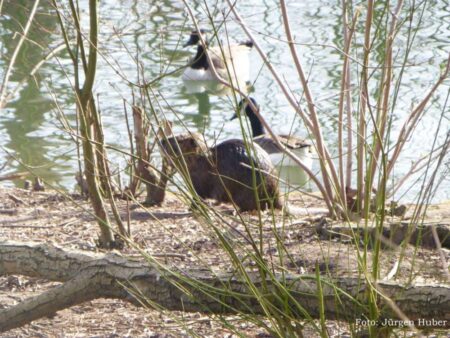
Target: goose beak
233 117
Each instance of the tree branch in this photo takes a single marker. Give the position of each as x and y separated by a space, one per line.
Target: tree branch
91 275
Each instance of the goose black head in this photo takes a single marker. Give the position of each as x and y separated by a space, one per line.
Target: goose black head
194 38
244 106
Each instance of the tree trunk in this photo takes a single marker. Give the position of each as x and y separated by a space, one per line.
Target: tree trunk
85 104
87 276
393 233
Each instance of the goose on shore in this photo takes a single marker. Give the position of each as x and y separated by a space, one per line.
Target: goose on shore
235 57
225 172
298 146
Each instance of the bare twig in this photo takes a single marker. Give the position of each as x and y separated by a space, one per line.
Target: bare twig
327 199
324 191
52 53
413 118
385 89
15 53
416 166
328 170
364 97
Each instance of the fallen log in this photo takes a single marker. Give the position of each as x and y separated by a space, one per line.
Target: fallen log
393 233
87 276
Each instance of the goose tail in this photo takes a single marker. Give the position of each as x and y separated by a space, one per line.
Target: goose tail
248 43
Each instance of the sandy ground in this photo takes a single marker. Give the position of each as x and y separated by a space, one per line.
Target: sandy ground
180 239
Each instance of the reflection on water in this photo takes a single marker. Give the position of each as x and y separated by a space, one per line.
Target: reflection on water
150 33
202 114
30 133
211 87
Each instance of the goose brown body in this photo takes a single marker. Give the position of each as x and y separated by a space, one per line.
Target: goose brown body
224 172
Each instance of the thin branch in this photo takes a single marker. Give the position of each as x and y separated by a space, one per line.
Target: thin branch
416 167
327 198
324 156
364 95
52 53
324 191
15 53
413 118
386 84
345 95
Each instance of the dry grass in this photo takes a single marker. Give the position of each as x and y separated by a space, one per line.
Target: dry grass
172 234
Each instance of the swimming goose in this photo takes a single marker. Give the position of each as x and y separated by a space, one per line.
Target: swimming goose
236 57
298 146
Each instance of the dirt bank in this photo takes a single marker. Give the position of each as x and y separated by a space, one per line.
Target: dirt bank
176 237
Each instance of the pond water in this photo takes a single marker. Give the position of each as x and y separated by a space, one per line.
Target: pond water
30 124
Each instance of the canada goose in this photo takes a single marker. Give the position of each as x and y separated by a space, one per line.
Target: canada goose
236 57
224 172
298 146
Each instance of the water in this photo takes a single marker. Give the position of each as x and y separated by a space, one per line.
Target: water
31 131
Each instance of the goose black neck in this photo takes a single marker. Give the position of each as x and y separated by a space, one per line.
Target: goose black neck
200 59
257 127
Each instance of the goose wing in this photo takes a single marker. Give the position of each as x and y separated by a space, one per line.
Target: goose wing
233 53
291 142
267 144
217 59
